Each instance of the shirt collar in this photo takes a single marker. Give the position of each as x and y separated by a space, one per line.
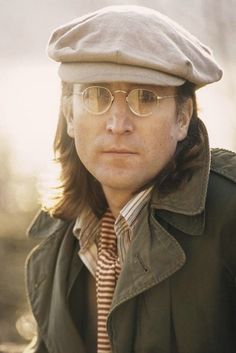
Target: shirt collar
87 225
132 209
86 228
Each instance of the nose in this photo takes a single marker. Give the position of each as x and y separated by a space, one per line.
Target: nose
119 120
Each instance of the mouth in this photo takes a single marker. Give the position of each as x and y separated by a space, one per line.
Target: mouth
112 148
116 151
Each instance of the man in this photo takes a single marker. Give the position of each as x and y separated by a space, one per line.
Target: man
139 249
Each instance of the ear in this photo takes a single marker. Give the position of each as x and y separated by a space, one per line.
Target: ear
184 117
68 113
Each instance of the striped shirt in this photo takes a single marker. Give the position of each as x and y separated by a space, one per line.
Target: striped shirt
87 230
107 273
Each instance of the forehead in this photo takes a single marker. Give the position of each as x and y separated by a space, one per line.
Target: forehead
126 86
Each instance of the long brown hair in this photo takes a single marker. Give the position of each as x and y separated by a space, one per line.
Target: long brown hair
78 189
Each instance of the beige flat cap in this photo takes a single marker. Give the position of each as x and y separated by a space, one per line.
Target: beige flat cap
131 44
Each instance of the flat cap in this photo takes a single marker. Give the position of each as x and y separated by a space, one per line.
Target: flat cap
131 44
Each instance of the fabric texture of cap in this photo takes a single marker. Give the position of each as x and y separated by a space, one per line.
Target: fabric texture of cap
131 44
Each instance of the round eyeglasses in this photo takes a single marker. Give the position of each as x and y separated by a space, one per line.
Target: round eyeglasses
98 100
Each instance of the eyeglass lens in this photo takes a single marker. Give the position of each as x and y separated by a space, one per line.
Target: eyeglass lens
142 101
98 99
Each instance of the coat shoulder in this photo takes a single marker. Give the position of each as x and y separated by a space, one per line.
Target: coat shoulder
223 162
44 225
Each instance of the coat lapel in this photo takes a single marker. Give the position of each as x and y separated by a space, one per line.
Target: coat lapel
153 256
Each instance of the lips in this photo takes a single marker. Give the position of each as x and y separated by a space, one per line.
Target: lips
119 151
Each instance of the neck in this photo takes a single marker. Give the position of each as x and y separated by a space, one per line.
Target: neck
117 199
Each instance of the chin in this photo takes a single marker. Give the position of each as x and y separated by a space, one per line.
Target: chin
128 184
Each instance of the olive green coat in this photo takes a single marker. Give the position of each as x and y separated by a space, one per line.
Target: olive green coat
177 289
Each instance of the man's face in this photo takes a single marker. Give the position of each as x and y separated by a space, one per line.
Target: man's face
124 151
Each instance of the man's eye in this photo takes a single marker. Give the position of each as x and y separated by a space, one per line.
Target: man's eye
147 97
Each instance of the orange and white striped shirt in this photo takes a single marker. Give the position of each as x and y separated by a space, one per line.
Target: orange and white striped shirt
107 274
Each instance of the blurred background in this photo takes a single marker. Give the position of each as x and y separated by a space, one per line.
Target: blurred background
29 97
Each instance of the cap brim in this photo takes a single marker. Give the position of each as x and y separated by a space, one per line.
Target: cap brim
109 72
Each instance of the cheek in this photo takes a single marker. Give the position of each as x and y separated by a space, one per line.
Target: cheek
80 146
164 136
85 138
162 143
80 137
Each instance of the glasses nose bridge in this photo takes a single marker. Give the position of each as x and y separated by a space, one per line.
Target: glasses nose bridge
119 91
118 121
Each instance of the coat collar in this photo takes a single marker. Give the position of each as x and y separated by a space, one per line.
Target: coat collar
184 208
190 199
43 225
